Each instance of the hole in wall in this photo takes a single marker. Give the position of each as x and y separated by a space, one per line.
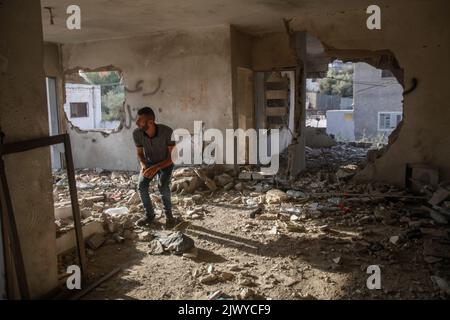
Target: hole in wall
354 102
94 99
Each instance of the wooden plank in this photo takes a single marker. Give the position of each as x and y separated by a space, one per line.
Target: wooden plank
82 293
21 146
75 206
281 111
277 94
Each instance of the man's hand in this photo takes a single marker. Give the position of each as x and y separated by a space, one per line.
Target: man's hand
150 172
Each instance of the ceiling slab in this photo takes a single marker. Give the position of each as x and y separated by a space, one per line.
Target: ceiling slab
108 19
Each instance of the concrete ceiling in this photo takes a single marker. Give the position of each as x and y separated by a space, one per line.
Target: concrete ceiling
107 19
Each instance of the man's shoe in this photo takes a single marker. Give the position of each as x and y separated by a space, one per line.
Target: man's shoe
171 222
145 221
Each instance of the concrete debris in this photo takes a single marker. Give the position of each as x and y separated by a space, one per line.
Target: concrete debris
218 295
296 194
439 218
209 279
394 239
117 211
223 179
155 247
275 196
245 175
134 199
95 241
346 172
323 207
337 260
145 236
254 212
441 283
118 238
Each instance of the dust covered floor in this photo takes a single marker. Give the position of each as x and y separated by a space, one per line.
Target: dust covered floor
312 238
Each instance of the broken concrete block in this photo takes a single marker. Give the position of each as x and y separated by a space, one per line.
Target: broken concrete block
246 294
226 276
394 239
118 238
239 186
419 176
273 231
67 240
439 218
229 186
223 179
134 199
275 196
347 171
296 194
441 283
63 212
145 236
440 195
261 176
130 235
117 211
245 175
209 279
85 213
95 241
254 212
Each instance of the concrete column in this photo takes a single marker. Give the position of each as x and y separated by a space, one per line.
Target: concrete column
24 115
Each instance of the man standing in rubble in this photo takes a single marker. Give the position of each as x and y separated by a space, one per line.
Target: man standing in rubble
154 148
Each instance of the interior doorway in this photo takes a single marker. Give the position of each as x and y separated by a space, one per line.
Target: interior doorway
53 120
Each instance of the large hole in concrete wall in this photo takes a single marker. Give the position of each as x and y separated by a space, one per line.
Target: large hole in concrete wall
94 99
354 102
351 109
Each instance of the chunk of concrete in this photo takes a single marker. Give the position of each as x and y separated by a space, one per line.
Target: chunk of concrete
95 241
63 212
275 196
67 240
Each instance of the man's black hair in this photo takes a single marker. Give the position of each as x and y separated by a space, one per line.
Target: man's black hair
147 111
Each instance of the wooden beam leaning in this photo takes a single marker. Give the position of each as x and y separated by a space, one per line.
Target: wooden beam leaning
22 146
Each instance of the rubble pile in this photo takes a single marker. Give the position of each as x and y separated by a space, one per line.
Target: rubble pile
363 222
330 159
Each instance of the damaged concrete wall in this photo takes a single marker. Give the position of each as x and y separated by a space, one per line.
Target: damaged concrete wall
23 115
272 52
417 33
185 76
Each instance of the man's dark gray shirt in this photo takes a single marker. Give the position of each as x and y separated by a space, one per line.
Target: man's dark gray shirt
155 148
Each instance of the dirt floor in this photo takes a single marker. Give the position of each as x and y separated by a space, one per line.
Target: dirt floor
316 244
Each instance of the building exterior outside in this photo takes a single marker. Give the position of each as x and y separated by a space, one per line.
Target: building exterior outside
83 107
341 125
377 102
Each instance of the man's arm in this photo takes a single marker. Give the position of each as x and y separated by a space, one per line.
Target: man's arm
150 172
141 157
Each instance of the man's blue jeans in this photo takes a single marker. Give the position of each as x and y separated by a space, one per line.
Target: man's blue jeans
164 176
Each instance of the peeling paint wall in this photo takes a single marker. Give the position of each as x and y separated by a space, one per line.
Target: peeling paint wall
24 115
185 76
